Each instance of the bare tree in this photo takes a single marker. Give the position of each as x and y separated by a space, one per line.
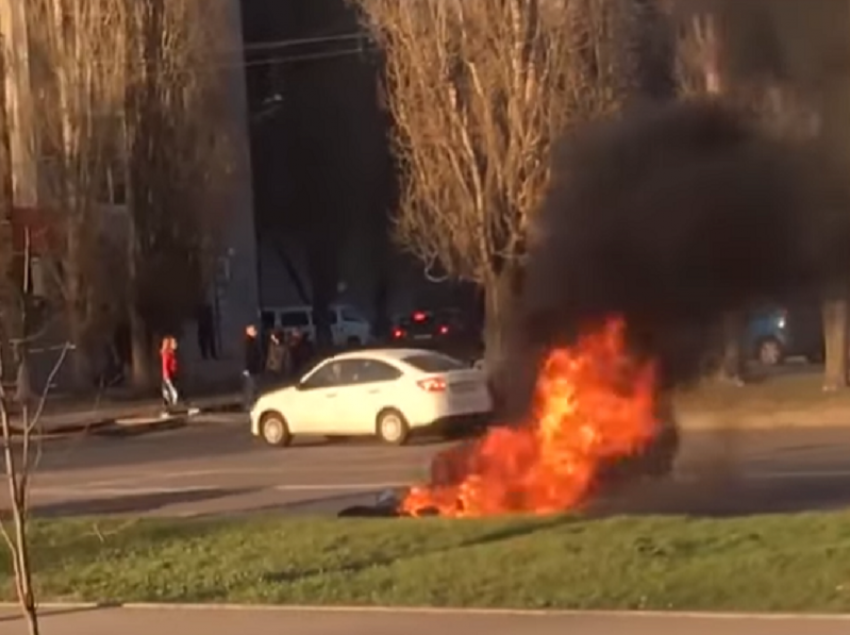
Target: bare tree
478 93
760 55
21 454
179 136
14 340
699 73
77 84
82 76
91 60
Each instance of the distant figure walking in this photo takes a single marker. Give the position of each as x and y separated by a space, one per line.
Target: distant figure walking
168 357
253 366
278 357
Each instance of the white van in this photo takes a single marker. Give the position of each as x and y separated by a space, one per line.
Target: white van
348 326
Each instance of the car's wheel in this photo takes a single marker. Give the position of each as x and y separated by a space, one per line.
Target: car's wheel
769 352
392 427
275 430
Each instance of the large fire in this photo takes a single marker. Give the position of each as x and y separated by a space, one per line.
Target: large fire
593 404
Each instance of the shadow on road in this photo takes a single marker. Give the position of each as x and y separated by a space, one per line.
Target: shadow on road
196 442
135 504
192 442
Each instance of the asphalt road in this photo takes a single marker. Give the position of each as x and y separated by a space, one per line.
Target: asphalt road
273 622
215 467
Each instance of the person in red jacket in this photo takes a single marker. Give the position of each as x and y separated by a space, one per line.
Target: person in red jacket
168 357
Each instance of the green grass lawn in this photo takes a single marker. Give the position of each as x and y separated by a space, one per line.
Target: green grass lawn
795 562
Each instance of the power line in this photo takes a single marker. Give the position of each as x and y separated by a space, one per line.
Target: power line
279 44
275 61
269 61
308 56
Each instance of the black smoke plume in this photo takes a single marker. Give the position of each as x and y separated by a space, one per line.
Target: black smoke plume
671 217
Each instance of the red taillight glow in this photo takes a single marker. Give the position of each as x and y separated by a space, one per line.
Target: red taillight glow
419 316
432 384
398 333
444 330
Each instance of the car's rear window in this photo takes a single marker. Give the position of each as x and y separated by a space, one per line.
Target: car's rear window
434 363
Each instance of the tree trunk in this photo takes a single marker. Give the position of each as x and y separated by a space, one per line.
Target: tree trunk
141 368
380 306
76 313
497 298
323 280
511 376
835 341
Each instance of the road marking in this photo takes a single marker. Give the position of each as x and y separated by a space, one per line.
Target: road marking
106 487
320 487
803 474
123 491
784 475
116 487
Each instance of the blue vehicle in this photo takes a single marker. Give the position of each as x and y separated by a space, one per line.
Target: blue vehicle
775 334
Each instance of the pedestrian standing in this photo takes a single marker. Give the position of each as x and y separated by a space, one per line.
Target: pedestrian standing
275 357
253 366
302 352
288 367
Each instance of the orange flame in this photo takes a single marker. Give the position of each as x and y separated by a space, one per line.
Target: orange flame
593 404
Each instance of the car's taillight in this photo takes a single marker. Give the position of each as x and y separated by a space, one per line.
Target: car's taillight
398 334
432 384
444 330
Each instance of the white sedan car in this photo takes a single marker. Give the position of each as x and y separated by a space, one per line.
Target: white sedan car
390 393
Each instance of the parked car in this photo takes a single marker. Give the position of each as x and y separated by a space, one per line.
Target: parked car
775 334
391 393
447 330
348 325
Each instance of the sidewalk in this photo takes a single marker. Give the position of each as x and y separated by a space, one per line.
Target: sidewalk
79 415
271 621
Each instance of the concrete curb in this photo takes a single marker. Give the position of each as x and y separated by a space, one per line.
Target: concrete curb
223 408
62 432
122 425
128 428
413 610
109 428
